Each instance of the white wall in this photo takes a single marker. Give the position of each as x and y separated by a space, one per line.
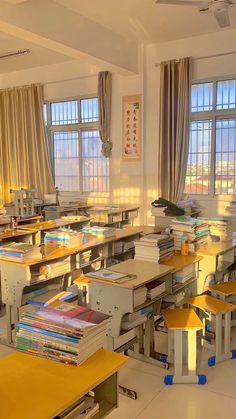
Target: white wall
220 66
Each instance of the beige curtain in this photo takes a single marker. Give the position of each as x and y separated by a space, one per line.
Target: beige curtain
24 148
176 78
104 111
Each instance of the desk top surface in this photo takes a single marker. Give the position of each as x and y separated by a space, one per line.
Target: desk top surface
182 319
145 272
50 224
179 262
112 210
90 244
224 288
216 248
36 388
10 234
211 305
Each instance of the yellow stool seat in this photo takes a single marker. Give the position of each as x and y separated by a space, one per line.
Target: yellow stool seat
182 319
211 304
224 288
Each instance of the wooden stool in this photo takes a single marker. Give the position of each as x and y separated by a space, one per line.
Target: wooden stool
180 321
225 291
222 311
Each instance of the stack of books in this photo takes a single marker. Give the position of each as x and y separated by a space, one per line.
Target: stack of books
55 269
154 247
20 252
140 296
183 275
63 237
231 209
102 232
66 333
85 257
197 232
219 228
155 288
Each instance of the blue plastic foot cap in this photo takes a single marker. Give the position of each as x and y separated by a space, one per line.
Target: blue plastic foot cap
212 361
202 379
168 380
163 358
233 353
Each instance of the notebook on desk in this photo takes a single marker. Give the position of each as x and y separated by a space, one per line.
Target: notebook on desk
111 276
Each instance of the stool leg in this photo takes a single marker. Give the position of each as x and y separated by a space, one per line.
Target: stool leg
227 332
170 346
178 355
192 353
218 340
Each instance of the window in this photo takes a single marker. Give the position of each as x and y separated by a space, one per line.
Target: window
78 162
212 139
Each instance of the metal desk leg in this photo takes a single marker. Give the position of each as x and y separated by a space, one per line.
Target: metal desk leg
222 353
191 376
9 323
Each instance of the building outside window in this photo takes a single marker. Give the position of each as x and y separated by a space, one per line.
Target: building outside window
76 146
211 168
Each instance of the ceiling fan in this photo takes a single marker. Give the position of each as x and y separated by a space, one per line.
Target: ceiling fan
218 7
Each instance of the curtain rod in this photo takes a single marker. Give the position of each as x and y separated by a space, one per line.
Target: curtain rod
71 79
204 57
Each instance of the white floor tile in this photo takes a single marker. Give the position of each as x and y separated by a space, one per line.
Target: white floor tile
188 402
147 387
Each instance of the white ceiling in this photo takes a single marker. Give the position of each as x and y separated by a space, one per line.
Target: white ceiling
98 31
146 21
38 56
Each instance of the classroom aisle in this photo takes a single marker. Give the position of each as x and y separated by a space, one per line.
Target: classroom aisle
215 400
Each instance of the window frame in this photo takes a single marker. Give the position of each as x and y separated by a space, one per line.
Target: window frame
79 127
213 115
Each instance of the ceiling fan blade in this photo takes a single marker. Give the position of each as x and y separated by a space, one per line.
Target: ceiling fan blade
222 18
197 3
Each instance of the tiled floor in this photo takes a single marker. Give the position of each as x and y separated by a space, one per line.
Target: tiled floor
215 400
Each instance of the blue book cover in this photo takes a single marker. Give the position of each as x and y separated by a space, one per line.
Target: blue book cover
47 333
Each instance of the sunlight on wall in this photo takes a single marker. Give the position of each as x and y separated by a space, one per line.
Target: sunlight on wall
127 197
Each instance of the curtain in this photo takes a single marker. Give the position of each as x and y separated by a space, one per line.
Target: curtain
24 147
104 111
176 79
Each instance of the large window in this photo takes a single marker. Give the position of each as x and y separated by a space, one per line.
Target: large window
76 147
212 142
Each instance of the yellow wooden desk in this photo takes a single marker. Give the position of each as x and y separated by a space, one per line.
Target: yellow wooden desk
118 299
221 311
217 257
178 322
223 289
36 388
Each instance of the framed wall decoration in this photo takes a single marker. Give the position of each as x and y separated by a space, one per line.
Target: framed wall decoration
132 127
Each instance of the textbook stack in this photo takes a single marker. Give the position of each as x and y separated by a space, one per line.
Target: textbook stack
197 232
66 333
154 247
140 296
20 252
56 269
63 237
155 288
102 232
219 228
183 275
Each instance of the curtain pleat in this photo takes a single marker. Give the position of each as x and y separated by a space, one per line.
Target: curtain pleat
24 146
175 93
104 110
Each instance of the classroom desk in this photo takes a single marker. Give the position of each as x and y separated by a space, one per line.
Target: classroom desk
113 215
39 229
25 235
36 388
217 257
53 212
179 262
17 277
117 299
